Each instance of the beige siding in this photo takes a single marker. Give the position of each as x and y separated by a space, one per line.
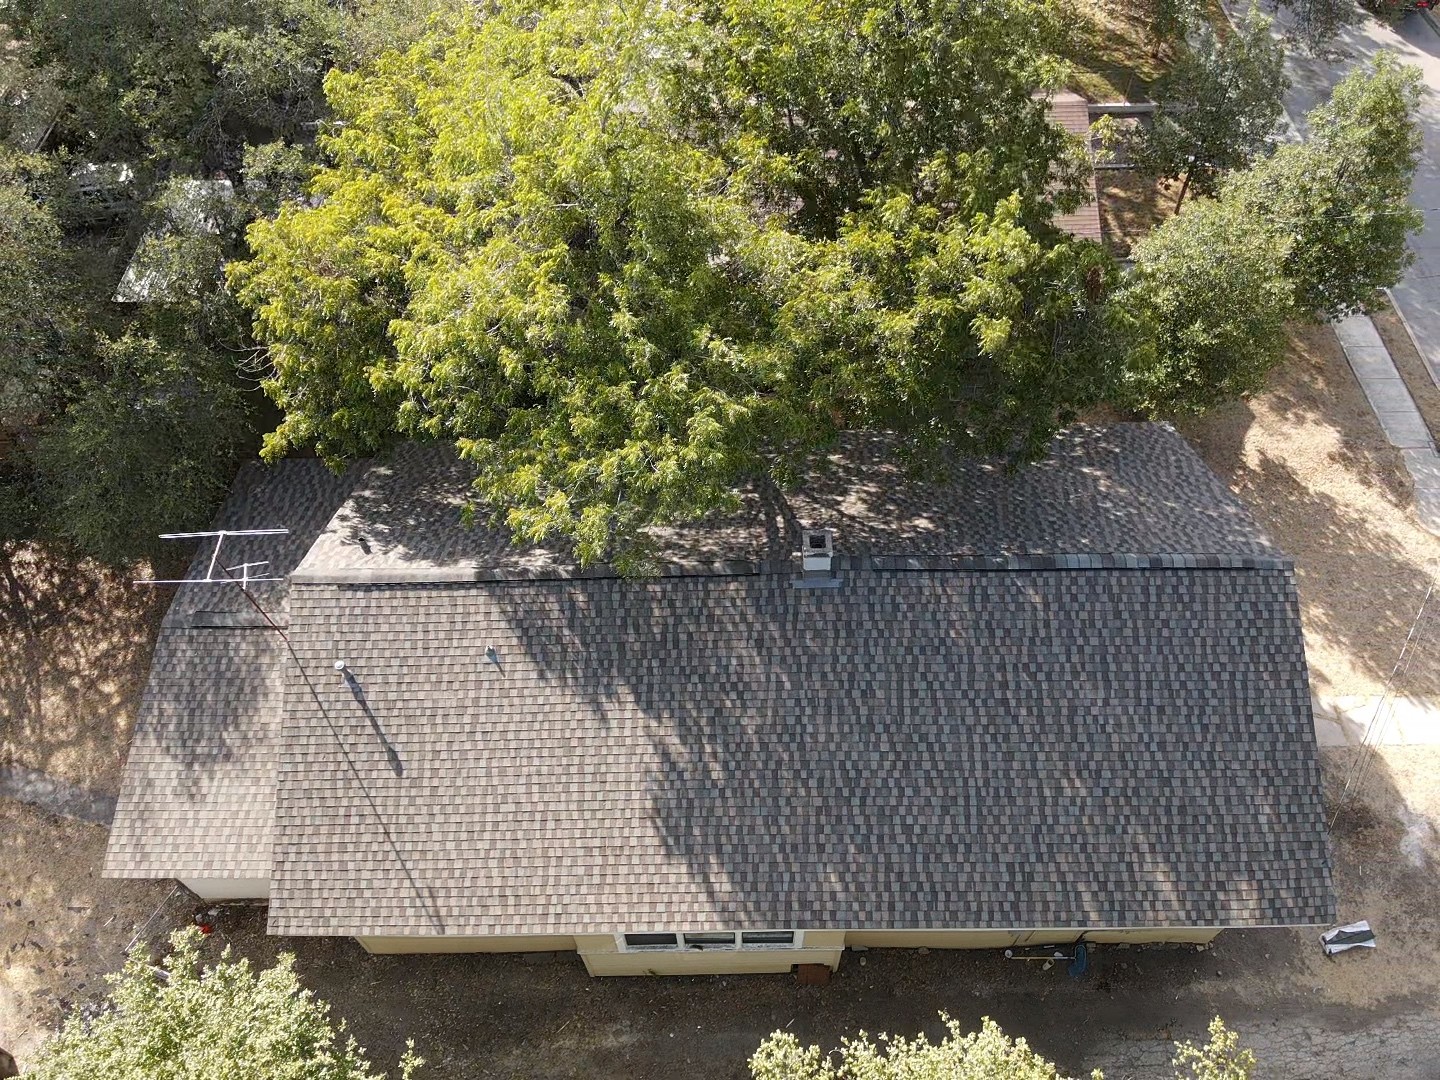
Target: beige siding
1196 935
488 944
602 956
707 962
228 888
935 939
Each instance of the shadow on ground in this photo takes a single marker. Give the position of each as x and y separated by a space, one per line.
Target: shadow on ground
75 645
1309 459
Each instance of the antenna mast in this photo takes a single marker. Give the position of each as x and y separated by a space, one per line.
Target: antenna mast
245 580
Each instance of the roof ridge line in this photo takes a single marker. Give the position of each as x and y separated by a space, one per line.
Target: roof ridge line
461 574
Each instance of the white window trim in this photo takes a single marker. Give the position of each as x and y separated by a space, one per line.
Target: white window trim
796 942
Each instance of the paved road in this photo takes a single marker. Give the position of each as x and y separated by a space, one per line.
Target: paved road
1402 1047
1414 42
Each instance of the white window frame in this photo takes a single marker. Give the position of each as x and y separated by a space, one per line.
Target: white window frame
738 943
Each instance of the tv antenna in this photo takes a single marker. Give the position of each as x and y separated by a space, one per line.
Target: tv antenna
226 576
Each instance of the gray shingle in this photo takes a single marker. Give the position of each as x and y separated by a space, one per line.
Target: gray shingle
1131 488
913 749
198 794
1072 694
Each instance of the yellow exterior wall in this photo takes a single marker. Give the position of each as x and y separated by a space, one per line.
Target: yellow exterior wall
1197 935
935 939
488 944
602 956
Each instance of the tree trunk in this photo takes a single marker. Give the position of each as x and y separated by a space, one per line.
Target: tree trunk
1184 187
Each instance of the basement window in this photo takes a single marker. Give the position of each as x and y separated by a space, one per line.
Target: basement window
708 940
632 942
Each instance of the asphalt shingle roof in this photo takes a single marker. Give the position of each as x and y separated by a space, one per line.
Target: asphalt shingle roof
1130 488
198 797
1073 694
909 750
1072 112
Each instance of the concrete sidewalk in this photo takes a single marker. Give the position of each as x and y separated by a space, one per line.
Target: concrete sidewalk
1391 721
1399 417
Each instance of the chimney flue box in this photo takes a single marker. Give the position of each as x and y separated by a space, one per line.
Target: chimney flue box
817 549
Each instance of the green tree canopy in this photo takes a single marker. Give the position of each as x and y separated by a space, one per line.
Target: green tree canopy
188 1021
1341 197
170 81
38 317
1319 22
155 391
149 444
987 1054
628 257
1219 106
1211 283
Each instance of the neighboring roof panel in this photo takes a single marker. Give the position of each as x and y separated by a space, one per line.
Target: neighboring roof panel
1130 488
913 749
199 788
1072 112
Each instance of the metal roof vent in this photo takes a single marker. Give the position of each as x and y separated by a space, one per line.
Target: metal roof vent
817 559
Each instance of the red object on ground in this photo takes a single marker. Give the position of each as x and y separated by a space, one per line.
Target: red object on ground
205 928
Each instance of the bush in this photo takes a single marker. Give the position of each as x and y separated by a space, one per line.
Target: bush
987 1054
182 1021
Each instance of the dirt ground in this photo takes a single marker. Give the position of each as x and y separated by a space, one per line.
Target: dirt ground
75 644
1307 457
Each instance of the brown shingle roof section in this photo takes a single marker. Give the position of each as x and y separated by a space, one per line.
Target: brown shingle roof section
1072 112
912 749
1130 488
199 789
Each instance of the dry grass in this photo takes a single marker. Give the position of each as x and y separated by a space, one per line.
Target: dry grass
62 926
1111 55
1130 207
75 644
1308 457
1412 367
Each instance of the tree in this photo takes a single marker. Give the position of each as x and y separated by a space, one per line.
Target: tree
170 82
1319 22
628 259
1211 284
984 1055
1342 196
39 323
42 344
185 1021
1222 1058
1218 108
149 444
1166 21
